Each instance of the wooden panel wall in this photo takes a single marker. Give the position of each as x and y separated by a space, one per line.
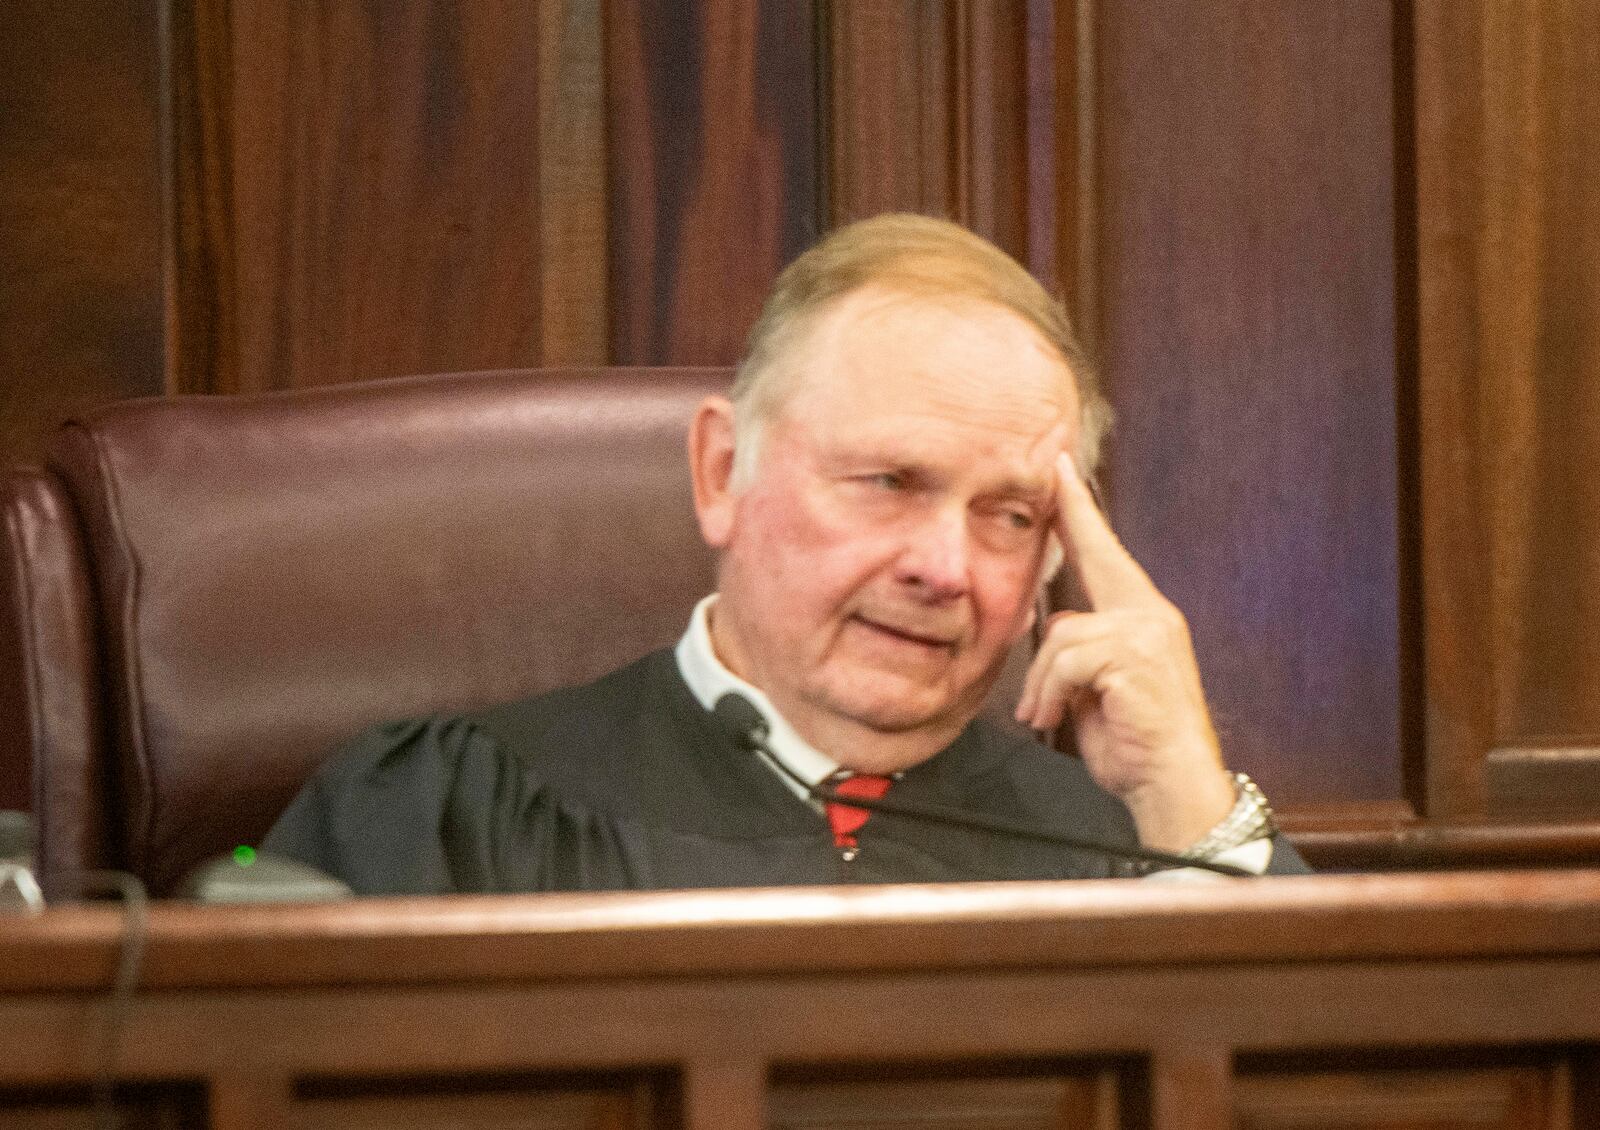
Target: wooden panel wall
713 143
1246 283
1337 261
389 188
80 211
1508 169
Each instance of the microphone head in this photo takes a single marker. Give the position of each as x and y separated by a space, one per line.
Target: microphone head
739 716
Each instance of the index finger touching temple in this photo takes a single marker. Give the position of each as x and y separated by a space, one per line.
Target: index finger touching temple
1108 572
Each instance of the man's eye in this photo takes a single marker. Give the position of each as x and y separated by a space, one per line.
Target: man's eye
1018 519
888 480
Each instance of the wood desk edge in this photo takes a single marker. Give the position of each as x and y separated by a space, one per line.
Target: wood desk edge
892 929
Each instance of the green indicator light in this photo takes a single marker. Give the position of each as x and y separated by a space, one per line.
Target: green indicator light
244 855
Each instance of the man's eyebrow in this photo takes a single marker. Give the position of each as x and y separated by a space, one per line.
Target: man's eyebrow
1031 491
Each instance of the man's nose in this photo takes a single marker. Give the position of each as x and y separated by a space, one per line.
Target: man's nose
935 558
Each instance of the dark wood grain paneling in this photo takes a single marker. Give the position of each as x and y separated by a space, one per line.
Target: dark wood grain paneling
991 105
1505 1098
1247 231
495 1104
1509 235
981 113
944 1100
888 109
202 348
927 109
244 1100
1191 1087
80 212
712 141
725 1091
386 189
1584 1072
574 323
1339 259
1062 123
75 1108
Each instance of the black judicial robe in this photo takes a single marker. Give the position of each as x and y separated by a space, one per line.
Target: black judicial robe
629 784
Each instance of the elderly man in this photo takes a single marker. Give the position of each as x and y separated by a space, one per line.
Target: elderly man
896 472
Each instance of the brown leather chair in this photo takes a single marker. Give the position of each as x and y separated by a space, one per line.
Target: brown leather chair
204 596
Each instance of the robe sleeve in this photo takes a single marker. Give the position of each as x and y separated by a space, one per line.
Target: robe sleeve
437 806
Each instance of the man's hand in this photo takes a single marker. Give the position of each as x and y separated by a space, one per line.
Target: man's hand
1126 673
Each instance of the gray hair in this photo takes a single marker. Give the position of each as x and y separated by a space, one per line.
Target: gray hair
912 255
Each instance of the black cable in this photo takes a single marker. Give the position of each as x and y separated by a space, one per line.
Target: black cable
130 958
1002 826
749 727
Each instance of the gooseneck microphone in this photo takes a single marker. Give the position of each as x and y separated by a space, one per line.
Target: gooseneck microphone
739 716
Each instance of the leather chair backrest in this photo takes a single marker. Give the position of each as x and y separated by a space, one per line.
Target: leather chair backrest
52 722
269 574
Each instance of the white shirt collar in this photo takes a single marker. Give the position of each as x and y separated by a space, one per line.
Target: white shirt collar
709 680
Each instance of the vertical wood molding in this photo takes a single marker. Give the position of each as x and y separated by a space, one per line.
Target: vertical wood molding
928 108
970 127
1191 1088
990 92
250 1102
934 66
1508 182
1084 186
712 158
1410 637
1583 1090
1061 124
1457 565
889 135
721 1095
202 348
573 301
982 113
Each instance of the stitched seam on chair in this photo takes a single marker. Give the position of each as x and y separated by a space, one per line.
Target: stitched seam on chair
135 704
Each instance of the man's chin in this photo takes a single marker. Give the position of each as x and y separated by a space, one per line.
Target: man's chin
897 710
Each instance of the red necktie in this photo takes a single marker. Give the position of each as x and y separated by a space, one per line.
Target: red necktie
842 818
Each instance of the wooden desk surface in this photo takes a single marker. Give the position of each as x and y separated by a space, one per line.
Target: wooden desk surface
1350 999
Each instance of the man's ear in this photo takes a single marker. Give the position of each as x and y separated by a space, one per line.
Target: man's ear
711 468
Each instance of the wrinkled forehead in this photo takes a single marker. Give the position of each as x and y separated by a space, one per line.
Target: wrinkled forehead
880 349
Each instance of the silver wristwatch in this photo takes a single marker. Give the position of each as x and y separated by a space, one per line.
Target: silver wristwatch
1249 819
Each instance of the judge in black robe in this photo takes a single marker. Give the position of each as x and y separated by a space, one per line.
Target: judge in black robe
630 784
927 420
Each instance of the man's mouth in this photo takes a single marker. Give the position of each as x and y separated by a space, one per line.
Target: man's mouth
922 638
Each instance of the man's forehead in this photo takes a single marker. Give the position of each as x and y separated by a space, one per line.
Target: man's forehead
877 308
896 354
874 325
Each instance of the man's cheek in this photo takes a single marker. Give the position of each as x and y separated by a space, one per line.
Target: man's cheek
1008 597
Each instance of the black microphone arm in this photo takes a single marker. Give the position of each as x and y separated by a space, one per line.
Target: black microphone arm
749 728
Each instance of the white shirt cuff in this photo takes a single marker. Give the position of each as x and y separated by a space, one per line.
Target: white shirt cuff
1254 857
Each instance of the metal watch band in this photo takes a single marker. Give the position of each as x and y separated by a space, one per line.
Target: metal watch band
1249 819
